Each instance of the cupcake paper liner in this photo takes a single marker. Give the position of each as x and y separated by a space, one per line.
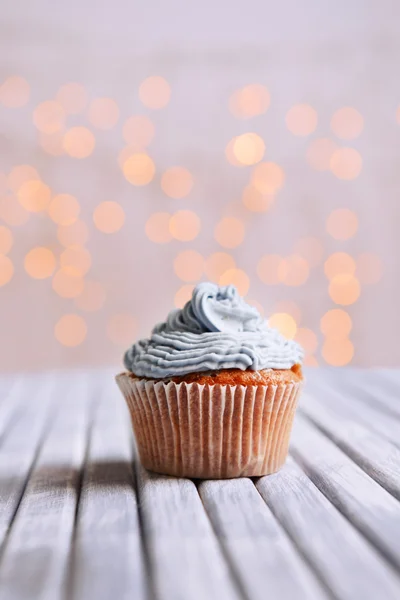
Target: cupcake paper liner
210 431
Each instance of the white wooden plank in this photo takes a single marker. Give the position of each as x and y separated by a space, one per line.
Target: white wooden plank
107 559
264 559
350 567
186 561
13 402
364 502
375 455
35 559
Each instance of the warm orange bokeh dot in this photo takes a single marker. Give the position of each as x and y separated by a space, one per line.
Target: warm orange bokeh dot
49 117
255 201
6 270
369 268
21 174
267 177
14 92
52 143
139 169
307 339
284 323
177 182
347 123
337 352
289 307
77 258
103 113
249 101
301 119
67 282
230 155
64 209
92 298
70 330
6 240
248 148
40 263
310 361
339 263
73 97
76 234
346 163
138 131
293 270
183 295
319 153
109 217
336 324
189 265
79 142
12 212
155 92
217 263
157 228
184 225
34 195
268 268
311 249
121 329
344 289
236 277
229 232
342 224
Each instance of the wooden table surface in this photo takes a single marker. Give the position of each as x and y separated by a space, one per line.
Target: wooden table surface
80 519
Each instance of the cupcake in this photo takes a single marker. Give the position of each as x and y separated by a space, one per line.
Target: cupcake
212 393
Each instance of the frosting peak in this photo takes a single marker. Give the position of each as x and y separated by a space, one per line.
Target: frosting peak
215 330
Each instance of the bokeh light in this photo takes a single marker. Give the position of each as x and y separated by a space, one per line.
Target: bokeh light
319 153
103 113
40 263
92 297
344 289
290 307
217 263
77 258
346 163
6 240
157 228
121 329
229 232
109 217
52 143
347 123
184 225
255 201
73 98
76 234
249 101
183 295
293 270
238 278
342 224
138 131
248 148
311 249
230 155
337 352
369 268
155 92
301 119
177 182
64 209
34 195
49 116
6 270
189 265
14 92
139 169
284 323
70 330
21 174
267 177
310 361
67 282
268 268
12 212
336 324
79 142
307 339
339 263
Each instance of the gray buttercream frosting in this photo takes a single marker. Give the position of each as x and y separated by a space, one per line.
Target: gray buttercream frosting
215 330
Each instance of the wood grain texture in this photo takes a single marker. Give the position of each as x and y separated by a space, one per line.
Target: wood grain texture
261 553
350 567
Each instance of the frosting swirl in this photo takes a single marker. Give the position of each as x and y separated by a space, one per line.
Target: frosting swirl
215 330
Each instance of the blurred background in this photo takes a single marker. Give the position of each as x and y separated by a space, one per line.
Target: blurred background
148 146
